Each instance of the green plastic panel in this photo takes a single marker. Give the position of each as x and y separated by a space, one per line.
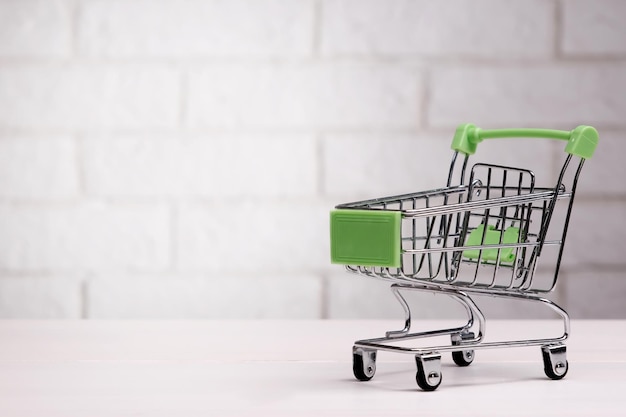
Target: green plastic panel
365 237
492 237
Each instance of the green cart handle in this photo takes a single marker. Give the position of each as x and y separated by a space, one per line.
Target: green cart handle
581 141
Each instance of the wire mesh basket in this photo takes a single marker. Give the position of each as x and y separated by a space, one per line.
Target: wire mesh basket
484 233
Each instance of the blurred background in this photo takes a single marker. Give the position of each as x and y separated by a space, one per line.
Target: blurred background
178 158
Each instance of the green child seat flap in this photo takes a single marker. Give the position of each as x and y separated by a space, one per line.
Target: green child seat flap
492 237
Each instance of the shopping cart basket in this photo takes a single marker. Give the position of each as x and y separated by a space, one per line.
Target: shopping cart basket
483 234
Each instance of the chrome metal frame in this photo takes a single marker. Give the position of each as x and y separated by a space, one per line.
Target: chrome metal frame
475 318
436 224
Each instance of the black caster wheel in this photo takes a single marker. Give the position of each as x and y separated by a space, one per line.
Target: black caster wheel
462 357
555 361
428 375
363 363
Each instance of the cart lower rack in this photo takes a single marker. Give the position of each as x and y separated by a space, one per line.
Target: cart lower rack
484 234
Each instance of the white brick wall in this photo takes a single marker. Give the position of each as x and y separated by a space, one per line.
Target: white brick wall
459 28
598 294
306 95
84 237
35 28
36 297
38 168
165 158
230 296
595 240
191 28
88 97
253 236
212 166
594 27
558 94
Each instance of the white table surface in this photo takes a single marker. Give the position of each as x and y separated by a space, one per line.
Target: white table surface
291 368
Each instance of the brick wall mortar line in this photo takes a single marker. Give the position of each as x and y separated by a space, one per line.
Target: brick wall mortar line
558 30
75 9
317 28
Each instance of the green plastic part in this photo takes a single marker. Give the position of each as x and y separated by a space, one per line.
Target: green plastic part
464 140
581 141
366 237
492 237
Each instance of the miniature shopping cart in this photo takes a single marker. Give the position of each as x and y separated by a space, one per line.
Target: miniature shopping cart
482 235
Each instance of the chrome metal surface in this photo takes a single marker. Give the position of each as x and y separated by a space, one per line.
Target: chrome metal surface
468 355
430 365
407 314
369 360
557 355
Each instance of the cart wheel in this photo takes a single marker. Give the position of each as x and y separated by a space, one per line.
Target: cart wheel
555 361
363 363
463 357
428 375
